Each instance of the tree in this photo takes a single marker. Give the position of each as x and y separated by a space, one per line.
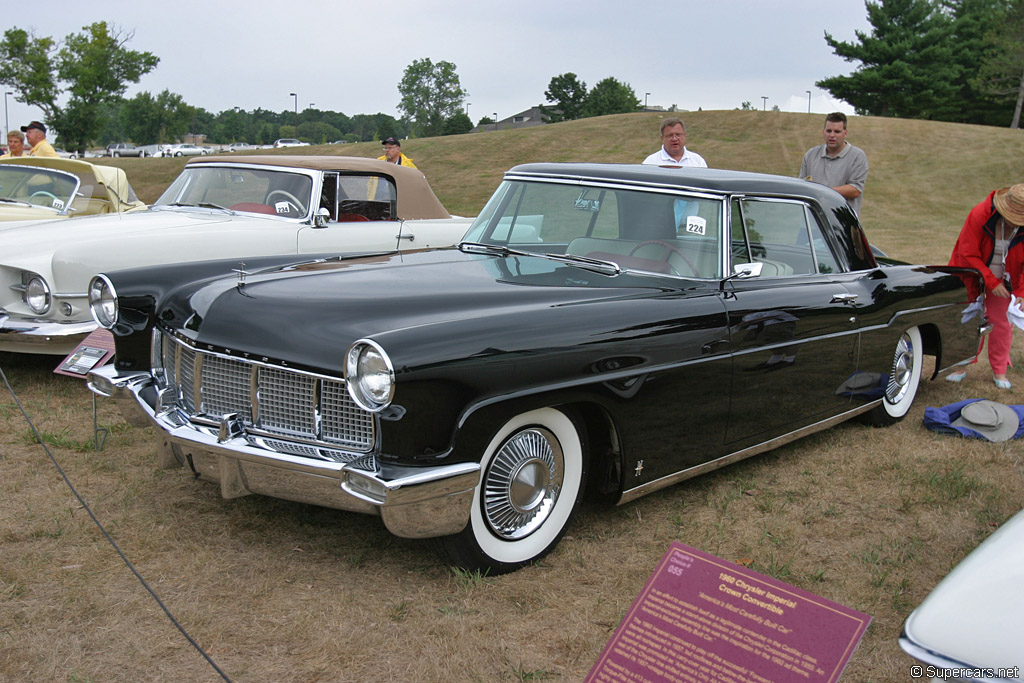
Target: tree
484 120
431 94
458 124
610 97
906 62
164 118
92 68
1002 73
920 60
568 93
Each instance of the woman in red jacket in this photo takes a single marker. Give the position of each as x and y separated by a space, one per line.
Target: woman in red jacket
992 242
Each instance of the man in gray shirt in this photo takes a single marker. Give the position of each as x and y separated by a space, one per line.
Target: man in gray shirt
837 163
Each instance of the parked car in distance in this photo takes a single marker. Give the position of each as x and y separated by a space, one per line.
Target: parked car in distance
607 329
289 142
184 149
154 150
64 154
969 628
239 147
33 189
239 206
123 149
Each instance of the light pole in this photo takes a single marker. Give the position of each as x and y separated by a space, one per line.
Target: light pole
646 95
467 108
7 126
239 117
764 103
296 102
311 104
808 101
495 120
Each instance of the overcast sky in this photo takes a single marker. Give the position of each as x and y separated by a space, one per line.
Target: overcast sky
349 56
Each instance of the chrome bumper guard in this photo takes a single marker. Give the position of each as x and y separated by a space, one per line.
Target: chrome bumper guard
413 502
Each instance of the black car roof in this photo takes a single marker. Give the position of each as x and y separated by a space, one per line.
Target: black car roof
707 179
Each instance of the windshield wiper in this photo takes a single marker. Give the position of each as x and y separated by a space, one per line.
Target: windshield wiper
607 267
199 205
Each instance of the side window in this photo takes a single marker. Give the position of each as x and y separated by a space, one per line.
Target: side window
822 251
779 233
366 198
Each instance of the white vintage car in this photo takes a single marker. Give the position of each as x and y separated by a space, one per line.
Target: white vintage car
39 188
219 207
971 627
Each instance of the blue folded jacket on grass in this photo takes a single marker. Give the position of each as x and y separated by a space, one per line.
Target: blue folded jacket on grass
950 420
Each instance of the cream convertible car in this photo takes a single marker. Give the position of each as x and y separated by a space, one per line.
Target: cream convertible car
37 188
219 207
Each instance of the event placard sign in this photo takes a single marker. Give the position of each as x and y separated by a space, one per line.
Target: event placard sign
701 619
95 350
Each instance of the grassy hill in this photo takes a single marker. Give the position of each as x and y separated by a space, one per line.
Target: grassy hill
925 175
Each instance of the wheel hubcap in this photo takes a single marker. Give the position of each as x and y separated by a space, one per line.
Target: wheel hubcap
522 483
902 370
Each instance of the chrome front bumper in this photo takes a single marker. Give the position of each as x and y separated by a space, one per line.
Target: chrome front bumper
413 502
28 335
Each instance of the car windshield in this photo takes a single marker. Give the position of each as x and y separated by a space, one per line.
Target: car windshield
37 186
250 190
674 233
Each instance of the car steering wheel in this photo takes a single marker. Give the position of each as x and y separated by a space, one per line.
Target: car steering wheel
669 250
43 193
289 197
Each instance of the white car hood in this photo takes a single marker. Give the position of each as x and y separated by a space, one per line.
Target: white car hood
56 233
976 614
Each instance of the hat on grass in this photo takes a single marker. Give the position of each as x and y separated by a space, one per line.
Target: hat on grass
994 421
1009 203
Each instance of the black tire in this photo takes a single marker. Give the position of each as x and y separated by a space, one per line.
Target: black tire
904 379
116 154
533 474
142 155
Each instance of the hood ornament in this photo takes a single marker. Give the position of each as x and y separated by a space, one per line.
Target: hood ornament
242 273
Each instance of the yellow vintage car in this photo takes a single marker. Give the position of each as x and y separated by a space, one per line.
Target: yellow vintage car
36 188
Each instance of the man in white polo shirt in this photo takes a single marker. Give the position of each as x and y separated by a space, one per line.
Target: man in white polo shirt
673 150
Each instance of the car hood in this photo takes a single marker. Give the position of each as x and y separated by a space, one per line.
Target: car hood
976 614
86 229
312 312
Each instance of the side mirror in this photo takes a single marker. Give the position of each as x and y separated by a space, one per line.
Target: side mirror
744 271
321 217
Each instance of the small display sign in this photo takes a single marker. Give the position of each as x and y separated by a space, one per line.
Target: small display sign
94 351
701 619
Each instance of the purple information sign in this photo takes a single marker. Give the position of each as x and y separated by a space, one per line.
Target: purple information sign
701 619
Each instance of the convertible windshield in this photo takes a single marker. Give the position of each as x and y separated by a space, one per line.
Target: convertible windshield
251 190
652 231
37 186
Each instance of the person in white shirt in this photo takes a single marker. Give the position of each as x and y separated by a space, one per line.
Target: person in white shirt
673 150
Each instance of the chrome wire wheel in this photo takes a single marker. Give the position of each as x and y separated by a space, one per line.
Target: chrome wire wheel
522 483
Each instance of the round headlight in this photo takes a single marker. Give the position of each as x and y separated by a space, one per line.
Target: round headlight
103 302
37 294
369 376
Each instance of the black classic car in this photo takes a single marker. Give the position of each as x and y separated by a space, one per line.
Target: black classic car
602 329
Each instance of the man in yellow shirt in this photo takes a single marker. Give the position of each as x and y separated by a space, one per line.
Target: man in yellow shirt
393 153
35 134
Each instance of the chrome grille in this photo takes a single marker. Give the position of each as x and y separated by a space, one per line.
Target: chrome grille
308 414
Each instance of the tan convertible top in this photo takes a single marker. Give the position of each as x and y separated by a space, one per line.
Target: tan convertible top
107 184
415 197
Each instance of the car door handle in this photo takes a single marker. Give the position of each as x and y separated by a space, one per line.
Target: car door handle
400 236
844 298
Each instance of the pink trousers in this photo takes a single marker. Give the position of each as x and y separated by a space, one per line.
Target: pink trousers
1001 336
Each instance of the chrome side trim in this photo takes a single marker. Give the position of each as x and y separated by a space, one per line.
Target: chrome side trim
39 331
658 484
